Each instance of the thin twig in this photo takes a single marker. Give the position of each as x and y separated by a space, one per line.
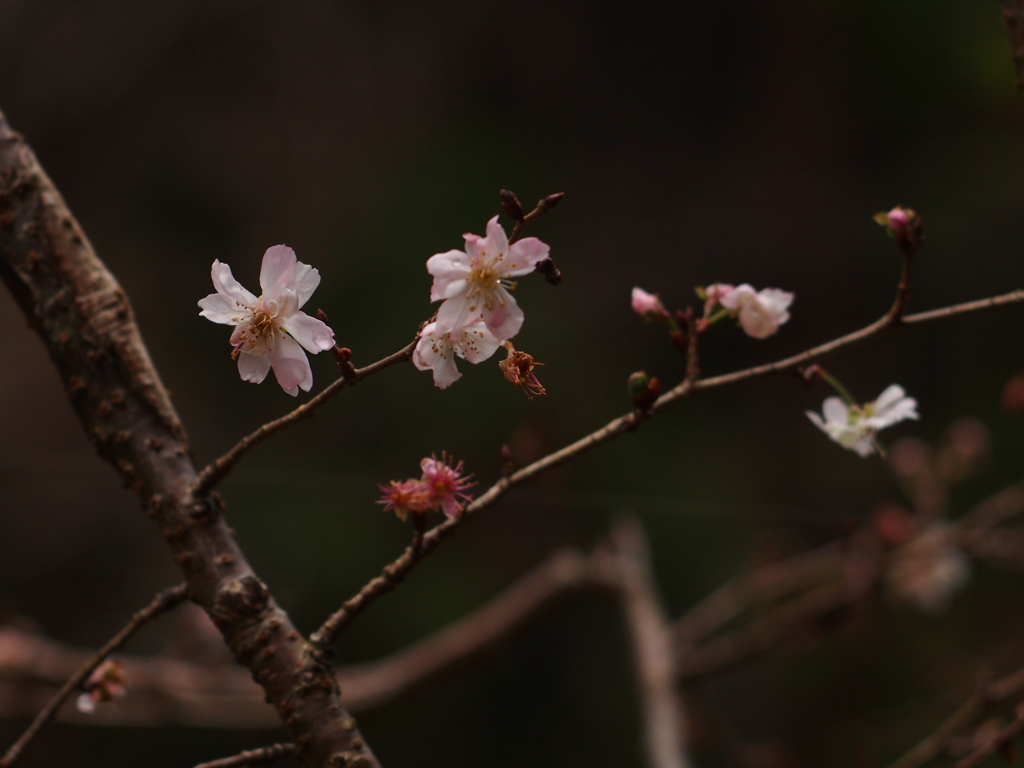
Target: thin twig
398 569
664 713
163 602
992 744
219 468
981 699
270 754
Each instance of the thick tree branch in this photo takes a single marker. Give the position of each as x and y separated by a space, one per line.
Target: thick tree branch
85 319
162 603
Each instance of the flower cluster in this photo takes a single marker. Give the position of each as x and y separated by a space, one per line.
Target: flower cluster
477 311
760 313
105 684
854 427
270 331
441 487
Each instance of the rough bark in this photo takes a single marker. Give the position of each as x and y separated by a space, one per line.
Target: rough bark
84 318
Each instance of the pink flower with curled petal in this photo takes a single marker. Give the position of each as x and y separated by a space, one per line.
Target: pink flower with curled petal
476 283
648 305
270 331
436 350
760 312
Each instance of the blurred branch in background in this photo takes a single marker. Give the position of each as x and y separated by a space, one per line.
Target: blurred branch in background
1013 17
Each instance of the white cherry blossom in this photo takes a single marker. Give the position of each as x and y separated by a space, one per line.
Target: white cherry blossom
760 312
269 329
437 349
855 427
476 283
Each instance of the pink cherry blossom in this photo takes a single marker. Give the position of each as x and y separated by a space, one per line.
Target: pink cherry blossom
269 329
476 283
648 305
436 350
446 485
898 219
760 312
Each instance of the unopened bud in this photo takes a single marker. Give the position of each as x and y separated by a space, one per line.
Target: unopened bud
649 306
550 201
506 461
322 317
511 205
643 390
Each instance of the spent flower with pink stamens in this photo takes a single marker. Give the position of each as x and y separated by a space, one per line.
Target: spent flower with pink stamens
405 497
446 485
475 283
270 331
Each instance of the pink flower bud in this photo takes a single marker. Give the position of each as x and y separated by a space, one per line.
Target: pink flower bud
898 219
648 305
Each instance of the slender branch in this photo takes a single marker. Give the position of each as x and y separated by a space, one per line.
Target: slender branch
994 743
270 754
664 713
219 468
163 602
396 571
974 708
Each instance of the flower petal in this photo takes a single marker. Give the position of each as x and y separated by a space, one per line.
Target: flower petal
305 282
477 343
506 317
278 270
226 284
291 366
220 309
253 368
836 411
453 314
889 396
497 242
447 268
315 336
741 294
524 256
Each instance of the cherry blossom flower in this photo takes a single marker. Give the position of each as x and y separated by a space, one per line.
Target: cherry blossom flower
648 305
760 312
475 283
106 683
269 329
446 485
854 427
436 350
405 497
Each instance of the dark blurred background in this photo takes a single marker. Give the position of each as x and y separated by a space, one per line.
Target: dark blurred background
741 142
